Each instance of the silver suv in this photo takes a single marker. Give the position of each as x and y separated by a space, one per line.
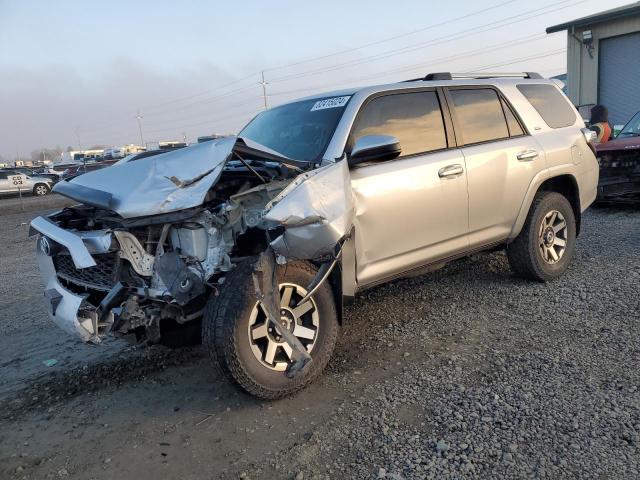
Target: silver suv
12 181
252 244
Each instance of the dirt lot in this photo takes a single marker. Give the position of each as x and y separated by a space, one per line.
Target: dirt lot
467 372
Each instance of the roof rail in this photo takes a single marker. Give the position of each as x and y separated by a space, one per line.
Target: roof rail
451 76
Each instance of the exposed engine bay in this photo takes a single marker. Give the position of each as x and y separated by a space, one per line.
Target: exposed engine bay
148 245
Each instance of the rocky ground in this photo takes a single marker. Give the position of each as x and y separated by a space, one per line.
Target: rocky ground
464 373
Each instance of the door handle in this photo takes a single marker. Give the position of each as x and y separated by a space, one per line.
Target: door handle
527 155
451 171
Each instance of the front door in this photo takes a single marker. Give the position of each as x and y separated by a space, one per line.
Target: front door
411 210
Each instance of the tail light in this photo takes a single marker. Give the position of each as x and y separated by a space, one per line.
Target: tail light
590 137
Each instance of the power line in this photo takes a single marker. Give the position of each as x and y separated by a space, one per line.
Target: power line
415 66
280 67
497 24
389 39
450 37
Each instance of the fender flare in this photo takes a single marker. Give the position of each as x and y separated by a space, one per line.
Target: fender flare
534 187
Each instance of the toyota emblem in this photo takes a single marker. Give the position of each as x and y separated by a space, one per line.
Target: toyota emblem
45 246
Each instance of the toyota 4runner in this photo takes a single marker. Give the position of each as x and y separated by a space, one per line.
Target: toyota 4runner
252 244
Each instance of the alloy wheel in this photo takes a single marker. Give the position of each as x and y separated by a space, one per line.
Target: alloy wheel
303 320
552 237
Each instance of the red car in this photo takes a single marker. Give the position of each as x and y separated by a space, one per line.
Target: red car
619 160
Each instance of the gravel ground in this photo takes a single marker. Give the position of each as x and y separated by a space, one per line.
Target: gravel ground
464 373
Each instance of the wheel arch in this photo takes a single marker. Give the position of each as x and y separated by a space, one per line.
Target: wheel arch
564 183
567 186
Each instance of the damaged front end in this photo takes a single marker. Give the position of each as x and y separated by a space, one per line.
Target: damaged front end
619 172
151 241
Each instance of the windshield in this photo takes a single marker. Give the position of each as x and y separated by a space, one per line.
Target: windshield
631 129
300 130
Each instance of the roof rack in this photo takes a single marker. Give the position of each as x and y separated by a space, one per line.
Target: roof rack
451 76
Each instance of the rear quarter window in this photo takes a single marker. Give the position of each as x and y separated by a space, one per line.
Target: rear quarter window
552 106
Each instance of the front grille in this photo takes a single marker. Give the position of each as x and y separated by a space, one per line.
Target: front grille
102 276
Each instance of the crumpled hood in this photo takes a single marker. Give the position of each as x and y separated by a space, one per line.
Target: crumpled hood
172 181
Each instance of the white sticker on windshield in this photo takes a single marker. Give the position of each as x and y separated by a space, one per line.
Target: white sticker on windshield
334 102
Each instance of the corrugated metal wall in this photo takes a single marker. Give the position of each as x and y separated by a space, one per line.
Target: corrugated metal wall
619 76
582 69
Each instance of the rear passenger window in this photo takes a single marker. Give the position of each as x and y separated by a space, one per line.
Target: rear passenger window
415 119
479 115
552 106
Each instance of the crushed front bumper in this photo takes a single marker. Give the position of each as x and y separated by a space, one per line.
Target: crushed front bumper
70 311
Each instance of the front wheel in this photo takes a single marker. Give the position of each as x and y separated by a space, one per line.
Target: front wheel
40 190
544 248
239 339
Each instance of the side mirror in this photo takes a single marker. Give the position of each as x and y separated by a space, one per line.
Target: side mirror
374 148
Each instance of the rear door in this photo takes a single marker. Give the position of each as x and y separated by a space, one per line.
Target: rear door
411 210
501 158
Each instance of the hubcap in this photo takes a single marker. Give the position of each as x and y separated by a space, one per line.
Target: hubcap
267 344
40 190
553 237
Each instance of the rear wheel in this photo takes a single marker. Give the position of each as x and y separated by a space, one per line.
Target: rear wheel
40 189
249 351
545 246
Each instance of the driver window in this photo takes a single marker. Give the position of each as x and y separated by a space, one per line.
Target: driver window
415 119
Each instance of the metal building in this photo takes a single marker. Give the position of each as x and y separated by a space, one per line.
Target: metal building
603 61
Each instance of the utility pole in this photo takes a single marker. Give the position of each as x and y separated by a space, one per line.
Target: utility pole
78 138
139 118
264 91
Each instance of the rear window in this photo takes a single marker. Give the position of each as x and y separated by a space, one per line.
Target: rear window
550 104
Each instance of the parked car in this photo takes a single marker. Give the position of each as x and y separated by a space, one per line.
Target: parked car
254 243
83 168
138 156
12 181
35 173
619 161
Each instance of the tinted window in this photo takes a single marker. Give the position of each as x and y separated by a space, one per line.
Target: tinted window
480 115
299 130
515 129
3 175
550 104
415 119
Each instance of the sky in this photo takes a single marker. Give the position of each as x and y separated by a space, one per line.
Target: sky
78 73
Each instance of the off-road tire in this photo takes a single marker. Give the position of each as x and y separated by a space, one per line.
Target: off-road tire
225 332
524 254
41 189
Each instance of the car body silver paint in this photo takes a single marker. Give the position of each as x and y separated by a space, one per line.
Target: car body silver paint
316 211
318 208
173 181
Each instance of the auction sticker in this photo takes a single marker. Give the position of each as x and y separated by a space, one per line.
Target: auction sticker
334 102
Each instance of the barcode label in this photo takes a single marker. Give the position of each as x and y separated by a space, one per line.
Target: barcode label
334 102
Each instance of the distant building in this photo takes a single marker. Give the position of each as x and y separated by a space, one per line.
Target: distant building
603 61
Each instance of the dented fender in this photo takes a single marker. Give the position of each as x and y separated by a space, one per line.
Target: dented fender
316 211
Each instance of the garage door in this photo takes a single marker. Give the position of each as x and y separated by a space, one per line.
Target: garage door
618 87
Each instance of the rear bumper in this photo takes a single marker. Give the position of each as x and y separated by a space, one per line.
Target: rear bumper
70 311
